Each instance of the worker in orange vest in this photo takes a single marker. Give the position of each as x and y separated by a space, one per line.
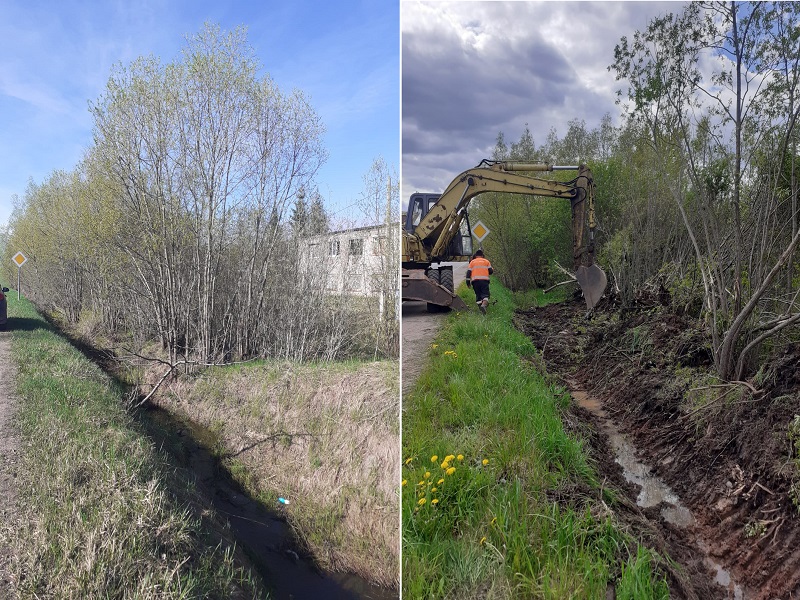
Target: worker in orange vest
478 277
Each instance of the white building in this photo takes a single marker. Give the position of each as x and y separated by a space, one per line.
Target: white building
362 261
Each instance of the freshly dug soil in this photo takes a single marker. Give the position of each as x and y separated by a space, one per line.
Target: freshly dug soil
724 449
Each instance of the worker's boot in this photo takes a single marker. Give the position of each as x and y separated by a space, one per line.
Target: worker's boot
483 304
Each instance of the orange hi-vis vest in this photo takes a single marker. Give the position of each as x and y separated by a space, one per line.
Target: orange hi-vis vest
479 268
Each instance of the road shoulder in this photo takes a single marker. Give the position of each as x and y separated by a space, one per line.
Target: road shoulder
418 330
9 454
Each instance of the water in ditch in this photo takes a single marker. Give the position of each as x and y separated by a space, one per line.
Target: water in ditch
653 492
263 534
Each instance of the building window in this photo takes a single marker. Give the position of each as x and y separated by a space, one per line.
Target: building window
315 250
379 245
356 247
333 248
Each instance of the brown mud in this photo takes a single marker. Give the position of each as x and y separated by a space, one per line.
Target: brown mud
726 459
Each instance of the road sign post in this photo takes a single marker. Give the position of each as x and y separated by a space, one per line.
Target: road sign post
19 259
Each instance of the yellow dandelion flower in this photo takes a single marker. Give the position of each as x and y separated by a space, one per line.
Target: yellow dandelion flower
483 539
493 521
409 459
434 458
434 346
460 457
422 501
434 489
421 483
427 474
435 501
485 461
450 471
449 457
430 483
440 482
445 464
405 481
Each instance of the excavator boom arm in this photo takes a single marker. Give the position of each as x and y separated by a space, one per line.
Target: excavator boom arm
430 239
437 229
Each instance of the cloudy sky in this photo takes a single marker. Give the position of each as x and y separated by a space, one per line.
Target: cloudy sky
473 69
56 57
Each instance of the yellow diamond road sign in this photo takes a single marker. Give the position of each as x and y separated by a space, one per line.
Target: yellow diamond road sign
19 258
480 231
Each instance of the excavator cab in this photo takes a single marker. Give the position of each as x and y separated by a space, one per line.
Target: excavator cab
429 284
420 205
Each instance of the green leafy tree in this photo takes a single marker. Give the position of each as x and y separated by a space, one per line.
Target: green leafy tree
706 132
181 201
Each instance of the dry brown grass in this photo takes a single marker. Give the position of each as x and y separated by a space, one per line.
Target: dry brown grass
327 437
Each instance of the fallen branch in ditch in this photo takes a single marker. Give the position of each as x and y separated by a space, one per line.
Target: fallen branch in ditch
552 287
173 366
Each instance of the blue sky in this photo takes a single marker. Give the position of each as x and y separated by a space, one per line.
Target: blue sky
56 57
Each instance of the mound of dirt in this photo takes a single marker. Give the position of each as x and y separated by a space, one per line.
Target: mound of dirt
724 448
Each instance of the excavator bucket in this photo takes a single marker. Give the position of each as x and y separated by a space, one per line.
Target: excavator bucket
416 286
592 280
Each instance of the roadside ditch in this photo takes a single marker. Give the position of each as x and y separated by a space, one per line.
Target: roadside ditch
264 535
703 470
266 541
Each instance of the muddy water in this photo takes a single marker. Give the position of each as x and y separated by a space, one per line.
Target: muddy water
263 534
653 491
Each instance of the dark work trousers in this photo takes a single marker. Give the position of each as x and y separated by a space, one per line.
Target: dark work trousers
481 287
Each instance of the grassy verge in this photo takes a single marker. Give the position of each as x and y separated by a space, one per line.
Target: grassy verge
325 436
96 517
486 456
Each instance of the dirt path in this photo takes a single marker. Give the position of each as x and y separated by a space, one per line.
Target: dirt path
9 451
419 328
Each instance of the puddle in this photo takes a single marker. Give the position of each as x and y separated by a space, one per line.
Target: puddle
652 490
263 535
722 576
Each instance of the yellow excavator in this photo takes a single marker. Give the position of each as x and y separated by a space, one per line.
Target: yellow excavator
437 230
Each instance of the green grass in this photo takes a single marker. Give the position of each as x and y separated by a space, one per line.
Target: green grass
95 517
489 529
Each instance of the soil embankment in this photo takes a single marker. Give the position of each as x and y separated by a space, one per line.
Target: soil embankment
9 446
723 449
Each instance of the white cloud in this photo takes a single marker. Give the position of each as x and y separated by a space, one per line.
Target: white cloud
473 69
33 93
